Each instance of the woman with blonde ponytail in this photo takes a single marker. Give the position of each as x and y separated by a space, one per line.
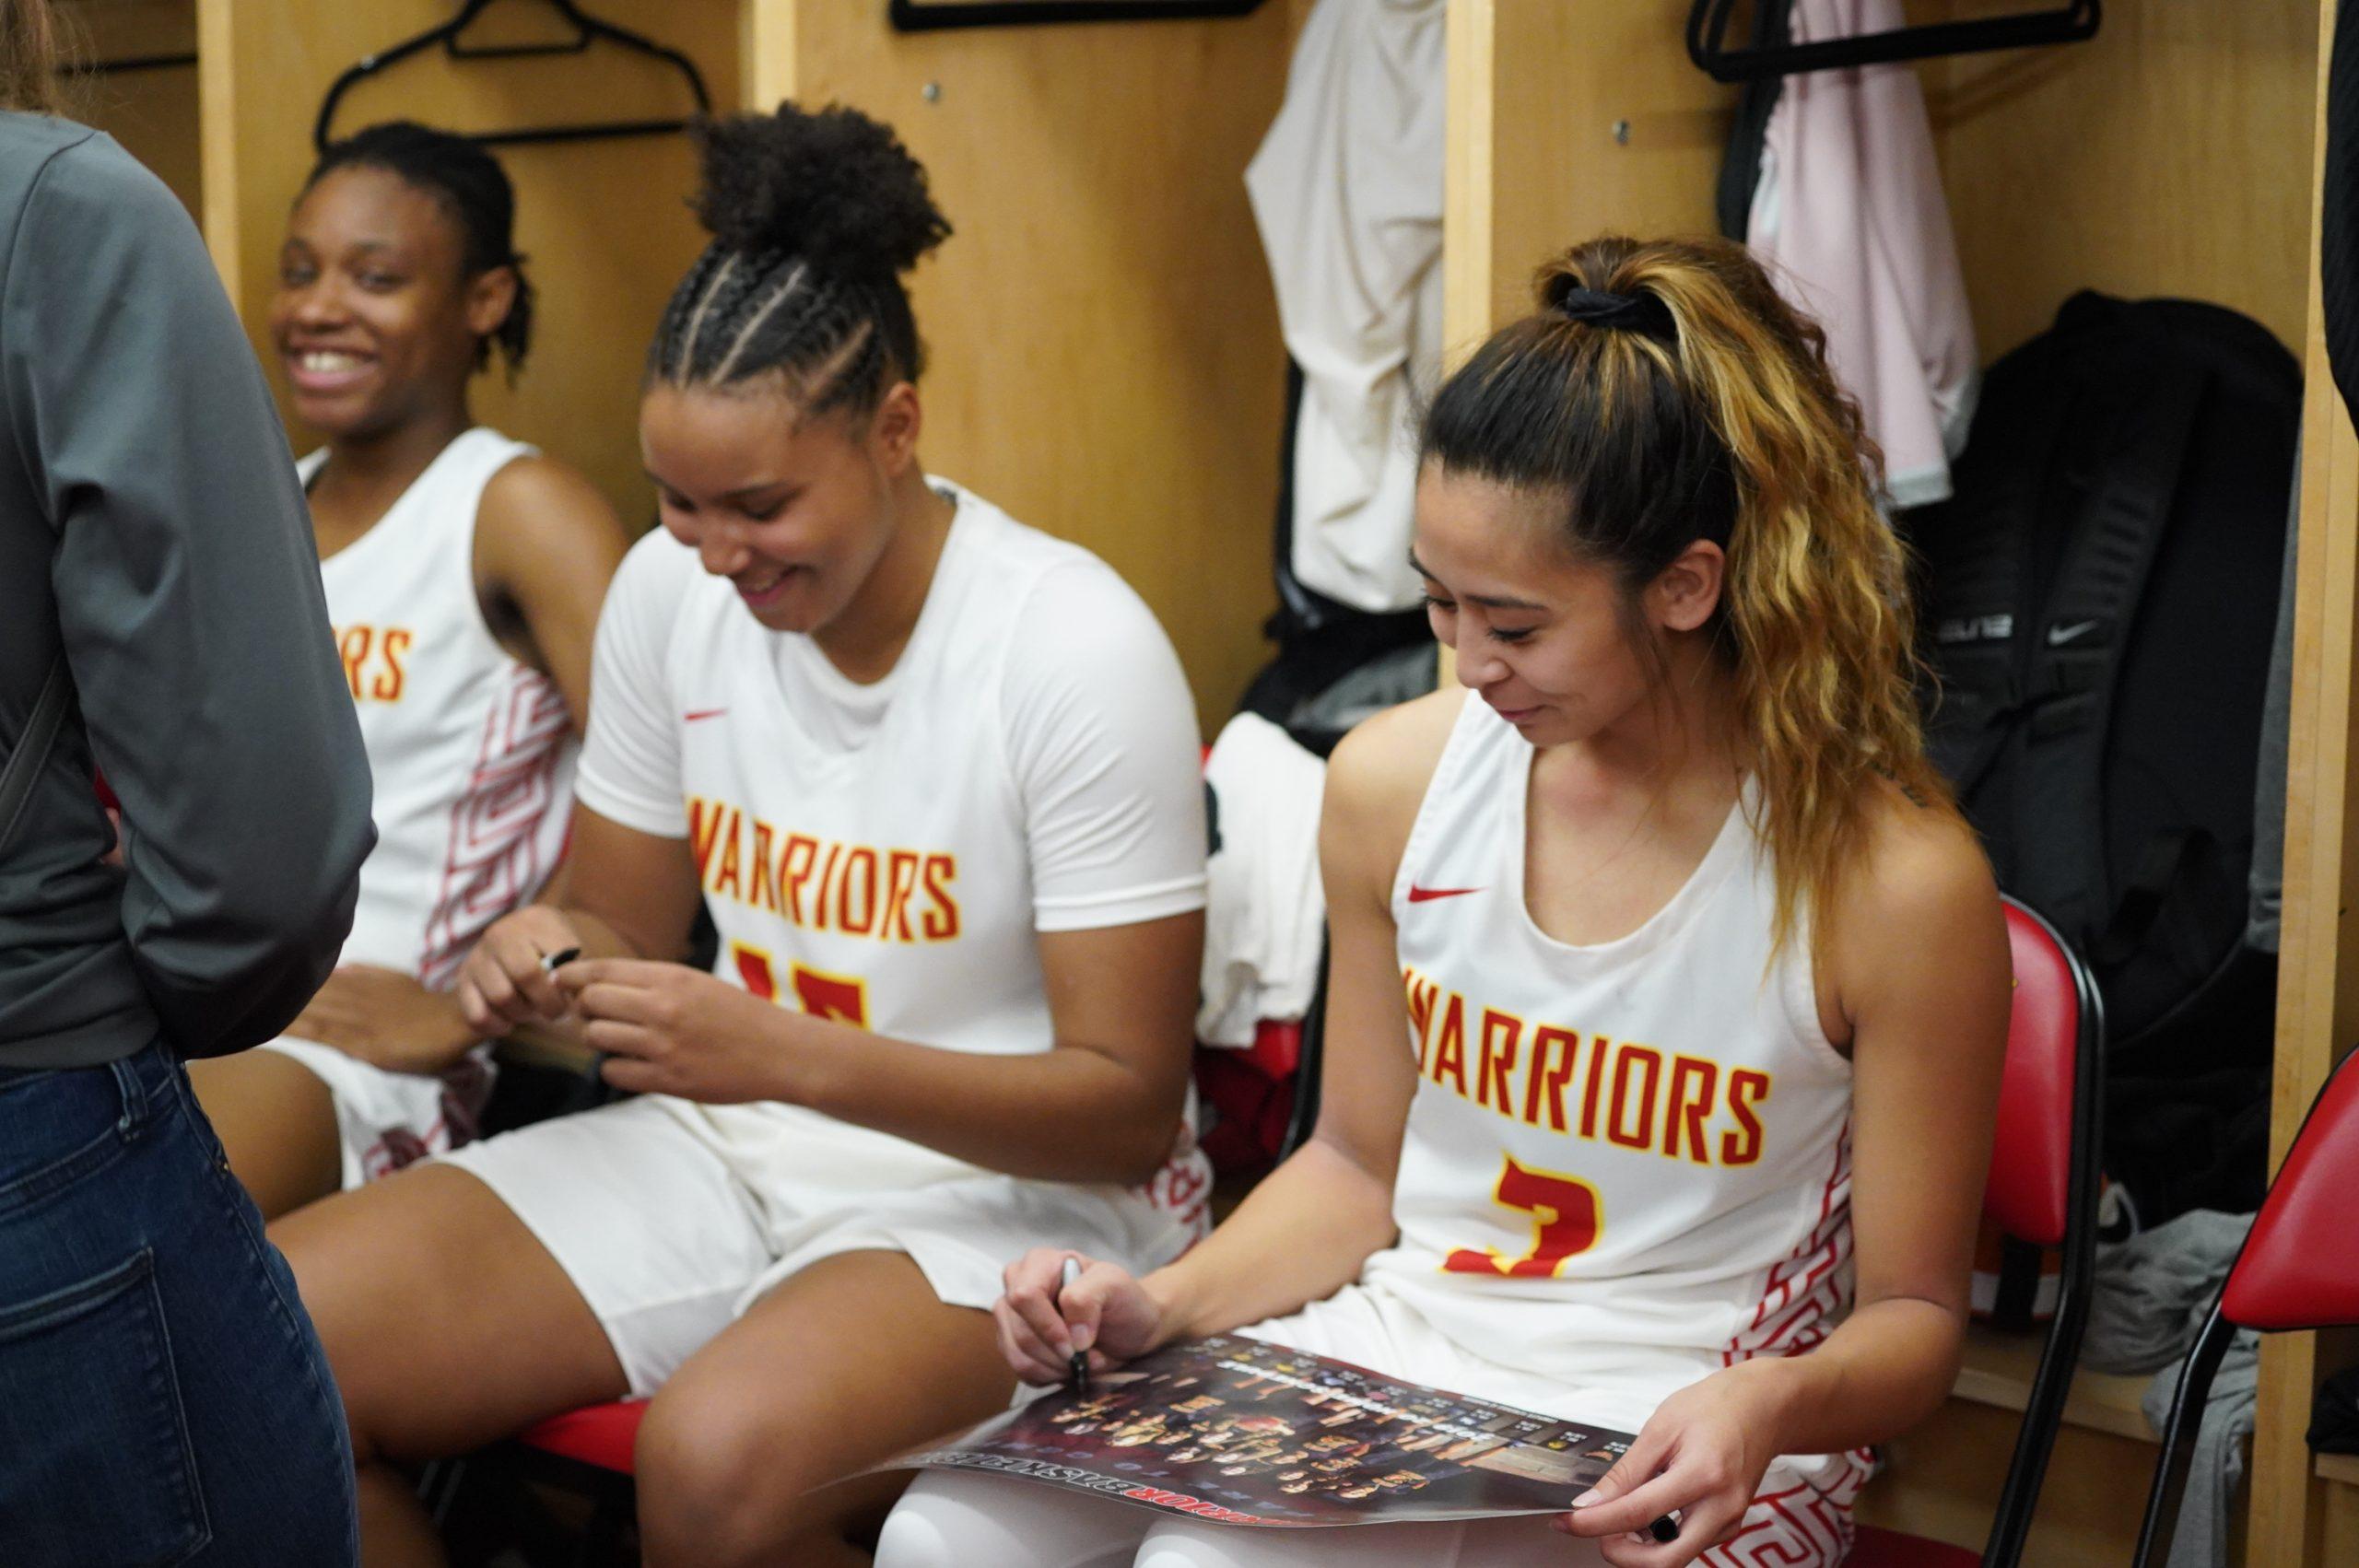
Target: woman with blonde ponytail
1669 991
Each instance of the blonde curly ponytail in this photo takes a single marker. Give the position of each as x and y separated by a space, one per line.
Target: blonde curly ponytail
1668 394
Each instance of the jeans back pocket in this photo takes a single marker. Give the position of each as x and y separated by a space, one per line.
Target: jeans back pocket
96 1469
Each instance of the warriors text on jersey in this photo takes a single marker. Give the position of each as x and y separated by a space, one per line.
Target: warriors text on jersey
1626 1162
885 853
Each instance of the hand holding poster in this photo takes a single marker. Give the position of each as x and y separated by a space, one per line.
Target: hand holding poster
1241 1432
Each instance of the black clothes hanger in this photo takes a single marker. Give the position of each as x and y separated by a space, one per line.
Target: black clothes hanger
586 29
909 15
1708 27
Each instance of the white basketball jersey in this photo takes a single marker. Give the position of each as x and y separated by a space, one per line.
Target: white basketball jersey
884 854
1628 1161
468 748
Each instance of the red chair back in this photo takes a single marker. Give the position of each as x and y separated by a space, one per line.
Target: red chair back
2299 1268
2296 1269
2030 1189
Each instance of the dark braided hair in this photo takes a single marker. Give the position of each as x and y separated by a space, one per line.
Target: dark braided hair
473 189
814 219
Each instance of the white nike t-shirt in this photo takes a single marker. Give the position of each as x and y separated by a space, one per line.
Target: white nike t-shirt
885 854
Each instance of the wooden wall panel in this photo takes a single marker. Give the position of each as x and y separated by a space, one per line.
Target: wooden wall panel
152 112
2168 155
1565 123
1106 361
603 223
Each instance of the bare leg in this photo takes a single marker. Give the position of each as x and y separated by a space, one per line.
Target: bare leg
278 1122
846 1364
448 1325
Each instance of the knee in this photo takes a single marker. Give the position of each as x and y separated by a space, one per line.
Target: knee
715 1470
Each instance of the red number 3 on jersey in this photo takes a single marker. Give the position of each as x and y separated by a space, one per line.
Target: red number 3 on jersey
840 997
1564 1218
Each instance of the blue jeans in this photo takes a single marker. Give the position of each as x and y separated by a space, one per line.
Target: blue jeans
163 1396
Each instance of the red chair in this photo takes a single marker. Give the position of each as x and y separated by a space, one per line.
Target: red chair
2043 1190
2298 1269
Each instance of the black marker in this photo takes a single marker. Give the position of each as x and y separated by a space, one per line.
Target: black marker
1665 1529
1078 1362
552 961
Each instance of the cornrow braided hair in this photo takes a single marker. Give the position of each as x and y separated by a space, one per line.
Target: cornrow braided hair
814 218
472 188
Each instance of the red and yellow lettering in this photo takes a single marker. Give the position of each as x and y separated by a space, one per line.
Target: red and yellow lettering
900 881
387 686
1501 1034
1566 1216
1449 1054
843 998
352 647
763 895
794 870
860 866
823 913
754 968
704 828
1746 1089
1617 1119
1599 1047
1550 1045
1420 994
1692 1085
731 880
941 922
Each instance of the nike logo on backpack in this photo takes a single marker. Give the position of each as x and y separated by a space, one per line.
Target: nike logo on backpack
2058 636
1421 895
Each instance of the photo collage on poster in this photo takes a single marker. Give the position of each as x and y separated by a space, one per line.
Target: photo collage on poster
1235 1430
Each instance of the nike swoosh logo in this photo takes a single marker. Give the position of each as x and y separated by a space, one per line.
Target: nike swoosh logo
695 714
2058 636
1423 895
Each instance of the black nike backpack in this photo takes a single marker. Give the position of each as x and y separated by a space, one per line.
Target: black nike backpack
2098 600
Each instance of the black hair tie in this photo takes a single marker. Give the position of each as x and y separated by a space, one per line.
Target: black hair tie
1641 313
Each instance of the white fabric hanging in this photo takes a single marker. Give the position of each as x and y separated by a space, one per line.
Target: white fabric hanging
1850 216
1265 914
1346 189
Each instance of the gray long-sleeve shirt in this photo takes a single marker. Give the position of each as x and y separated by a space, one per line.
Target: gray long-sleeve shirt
151 525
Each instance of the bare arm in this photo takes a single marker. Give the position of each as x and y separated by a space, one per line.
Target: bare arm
546 546
1307 1228
1917 951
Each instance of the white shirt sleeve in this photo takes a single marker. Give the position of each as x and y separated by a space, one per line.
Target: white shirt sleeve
630 761
1102 741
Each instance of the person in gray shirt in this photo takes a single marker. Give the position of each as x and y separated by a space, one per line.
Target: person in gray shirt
162 1395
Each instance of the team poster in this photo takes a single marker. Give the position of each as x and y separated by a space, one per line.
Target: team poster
1244 1432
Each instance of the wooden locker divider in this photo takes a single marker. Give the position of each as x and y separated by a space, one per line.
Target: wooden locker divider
603 225
1104 342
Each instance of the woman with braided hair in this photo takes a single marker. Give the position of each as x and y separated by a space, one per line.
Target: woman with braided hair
1669 988
464 573
934 775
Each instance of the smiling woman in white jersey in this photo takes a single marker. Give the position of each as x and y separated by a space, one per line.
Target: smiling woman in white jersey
464 575
1669 988
934 775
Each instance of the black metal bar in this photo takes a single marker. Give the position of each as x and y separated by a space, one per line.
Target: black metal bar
2178 1439
130 62
908 16
2052 1384
1708 26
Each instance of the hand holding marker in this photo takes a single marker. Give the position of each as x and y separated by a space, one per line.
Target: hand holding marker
1080 1361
